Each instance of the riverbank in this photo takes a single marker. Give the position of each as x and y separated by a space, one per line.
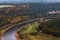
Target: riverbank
41 36
28 32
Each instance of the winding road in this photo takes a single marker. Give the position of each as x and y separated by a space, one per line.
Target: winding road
10 34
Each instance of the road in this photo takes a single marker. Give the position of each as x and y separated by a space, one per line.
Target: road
10 34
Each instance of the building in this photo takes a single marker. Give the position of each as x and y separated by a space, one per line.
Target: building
54 12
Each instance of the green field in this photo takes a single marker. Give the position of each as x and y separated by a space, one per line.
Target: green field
27 32
27 29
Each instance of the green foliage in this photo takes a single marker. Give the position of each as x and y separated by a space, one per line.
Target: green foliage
28 29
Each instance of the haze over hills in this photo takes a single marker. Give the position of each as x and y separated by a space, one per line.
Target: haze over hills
29 1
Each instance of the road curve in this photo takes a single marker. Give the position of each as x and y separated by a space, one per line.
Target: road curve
10 34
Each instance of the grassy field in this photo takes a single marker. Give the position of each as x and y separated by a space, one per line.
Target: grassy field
27 32
27 29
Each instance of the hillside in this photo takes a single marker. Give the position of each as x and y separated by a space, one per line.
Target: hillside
25 12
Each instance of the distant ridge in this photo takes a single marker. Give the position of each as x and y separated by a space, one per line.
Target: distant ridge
29 1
